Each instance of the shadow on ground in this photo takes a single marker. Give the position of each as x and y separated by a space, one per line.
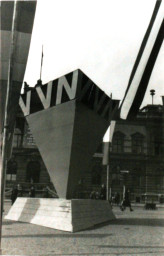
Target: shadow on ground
139 222
69 235
131 247
11 222
132 222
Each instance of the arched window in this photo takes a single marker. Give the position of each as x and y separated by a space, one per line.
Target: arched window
137 143
116 176
159 178
11 170
118 142
96 174
33 171
157 145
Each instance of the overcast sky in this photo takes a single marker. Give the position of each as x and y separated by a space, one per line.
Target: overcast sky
101 37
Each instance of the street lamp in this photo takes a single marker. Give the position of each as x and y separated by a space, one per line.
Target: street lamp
152 93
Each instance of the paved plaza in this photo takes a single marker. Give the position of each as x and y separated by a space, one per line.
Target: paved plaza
140 232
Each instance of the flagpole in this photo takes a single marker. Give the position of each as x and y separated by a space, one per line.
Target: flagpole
6 114
107 182
41 64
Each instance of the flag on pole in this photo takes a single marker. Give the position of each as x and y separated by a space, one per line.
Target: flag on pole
107 142
144 63
41 64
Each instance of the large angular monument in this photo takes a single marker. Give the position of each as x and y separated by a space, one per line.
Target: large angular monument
68 118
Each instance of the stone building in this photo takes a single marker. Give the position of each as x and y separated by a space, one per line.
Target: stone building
26 166
136 158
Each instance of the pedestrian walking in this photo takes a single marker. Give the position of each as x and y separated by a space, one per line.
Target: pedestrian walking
117 198
14 194
103 192
32 192
126 201
93 195
20 190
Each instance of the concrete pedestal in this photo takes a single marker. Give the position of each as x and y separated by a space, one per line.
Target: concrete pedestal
67 215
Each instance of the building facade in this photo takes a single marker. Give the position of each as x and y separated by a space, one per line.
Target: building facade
136 158
26 166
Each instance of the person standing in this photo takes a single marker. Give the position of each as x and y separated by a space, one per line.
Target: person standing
14 194
93 195
117 198
32 192
103 192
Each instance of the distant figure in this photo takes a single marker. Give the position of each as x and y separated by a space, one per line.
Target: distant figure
112 199
20 190
103 192
26 87
126 201
32 192
46 193
93 195
97 195
14 194
39 83
117 198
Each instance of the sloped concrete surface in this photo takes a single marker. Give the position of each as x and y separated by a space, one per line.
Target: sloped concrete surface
67 215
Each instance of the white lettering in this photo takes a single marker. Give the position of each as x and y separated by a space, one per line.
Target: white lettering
46 101
25 108
71 91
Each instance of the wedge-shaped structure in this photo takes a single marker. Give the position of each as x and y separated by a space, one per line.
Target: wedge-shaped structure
68 215
68 118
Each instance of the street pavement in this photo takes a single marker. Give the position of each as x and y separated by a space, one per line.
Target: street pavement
137 233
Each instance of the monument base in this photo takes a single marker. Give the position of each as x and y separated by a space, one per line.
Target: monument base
67 215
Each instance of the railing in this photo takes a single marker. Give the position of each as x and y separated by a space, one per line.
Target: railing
41 190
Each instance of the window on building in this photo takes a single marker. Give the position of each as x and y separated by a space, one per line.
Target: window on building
137 143
116 175
142 180
116 179
33 171
11 170
135 180
118 142
157 147
138 175
28 137
17 140
159 178
96 174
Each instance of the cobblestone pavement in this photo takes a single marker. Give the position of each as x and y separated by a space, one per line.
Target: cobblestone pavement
137 233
